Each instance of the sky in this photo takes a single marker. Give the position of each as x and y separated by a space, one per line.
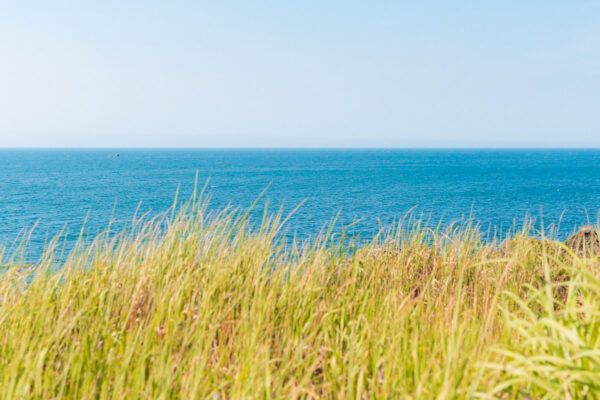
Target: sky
299 74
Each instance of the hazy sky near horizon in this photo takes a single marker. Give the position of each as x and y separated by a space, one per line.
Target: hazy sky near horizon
300 74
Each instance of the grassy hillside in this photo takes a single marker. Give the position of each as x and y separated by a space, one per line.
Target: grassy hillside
201 305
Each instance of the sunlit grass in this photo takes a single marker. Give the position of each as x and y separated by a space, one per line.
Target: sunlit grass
212 305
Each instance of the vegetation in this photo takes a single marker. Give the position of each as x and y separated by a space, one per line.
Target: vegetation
203 305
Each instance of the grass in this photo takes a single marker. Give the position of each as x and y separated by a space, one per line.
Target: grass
208 305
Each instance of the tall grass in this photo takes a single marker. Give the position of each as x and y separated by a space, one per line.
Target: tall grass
210 305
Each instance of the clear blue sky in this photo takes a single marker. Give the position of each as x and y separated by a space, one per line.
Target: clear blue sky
300 74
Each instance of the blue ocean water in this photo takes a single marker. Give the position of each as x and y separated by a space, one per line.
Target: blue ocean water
57 190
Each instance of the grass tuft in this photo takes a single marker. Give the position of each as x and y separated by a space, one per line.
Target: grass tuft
207 305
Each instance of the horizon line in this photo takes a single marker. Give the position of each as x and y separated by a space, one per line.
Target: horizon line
303 148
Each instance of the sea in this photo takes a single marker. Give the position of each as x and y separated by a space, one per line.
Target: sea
44 193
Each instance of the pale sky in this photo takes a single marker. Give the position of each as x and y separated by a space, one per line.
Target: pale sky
300 74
